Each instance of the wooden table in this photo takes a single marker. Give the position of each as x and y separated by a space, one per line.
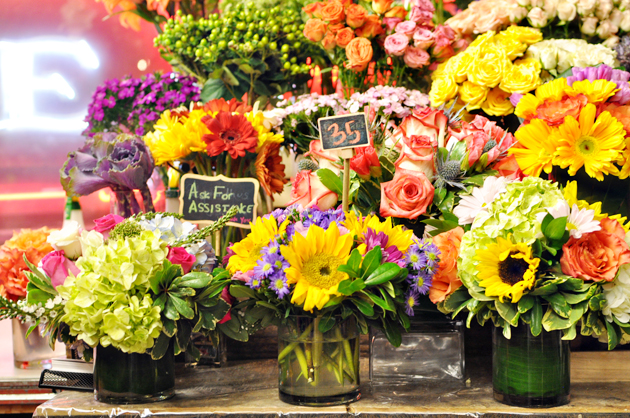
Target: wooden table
600 388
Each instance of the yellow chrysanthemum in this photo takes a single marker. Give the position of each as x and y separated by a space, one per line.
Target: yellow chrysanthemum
257 119
595 91
624 173
398 236
594 144
535 149
175 137
247 251
314 261
506 270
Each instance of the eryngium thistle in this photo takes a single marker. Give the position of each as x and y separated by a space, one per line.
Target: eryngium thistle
623 51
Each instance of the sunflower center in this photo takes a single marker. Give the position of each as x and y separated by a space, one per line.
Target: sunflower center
321 271
586 145
512 270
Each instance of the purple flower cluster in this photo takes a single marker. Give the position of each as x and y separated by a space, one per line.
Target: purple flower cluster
422 260
134 104
271 267
604 72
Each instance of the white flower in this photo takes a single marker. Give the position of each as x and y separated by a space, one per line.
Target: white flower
50 304
58 300
616 16
617 294
606 29
589 25
579 221
171 229
470 206
93 239
624 25
551 8
67 240
604 7
566 11
611 42
586 7
537 17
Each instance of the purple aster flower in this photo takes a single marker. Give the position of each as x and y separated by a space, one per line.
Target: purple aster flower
264 267
416 257
279 285
411 300
255 282
432 253
421 282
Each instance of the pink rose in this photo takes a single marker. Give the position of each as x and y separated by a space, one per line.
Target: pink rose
309 191
107 223
179 255
229 299
425 5
407 196
416 57
478 133
56 266
325 158
420 16
425 121
423 38
407 28
396 44
391 23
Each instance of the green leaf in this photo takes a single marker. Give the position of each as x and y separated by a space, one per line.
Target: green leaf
330 180
160 301
214 88
597 302
525 303
392 332
169 327
390 289
380 302
234 329
239 291
347 287
36 296
554 230
371 262
353 264
327 322
268 305
363 306
508 311
546 289
545 222
161 346
454 300
182 307
537 315
196 280
383 273
182 336
613 336
559 304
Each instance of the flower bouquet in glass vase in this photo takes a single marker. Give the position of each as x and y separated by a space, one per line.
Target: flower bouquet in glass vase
538 266
140 287
324 277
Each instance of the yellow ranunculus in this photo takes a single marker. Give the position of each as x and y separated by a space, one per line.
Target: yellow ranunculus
442 90
497 103
472 94
521 79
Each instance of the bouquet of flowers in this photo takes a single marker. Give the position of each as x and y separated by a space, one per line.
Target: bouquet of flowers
121 162
534 255
488 71
137 283
132 105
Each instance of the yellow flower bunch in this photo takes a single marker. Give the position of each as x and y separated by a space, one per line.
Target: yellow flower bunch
260 124
485 74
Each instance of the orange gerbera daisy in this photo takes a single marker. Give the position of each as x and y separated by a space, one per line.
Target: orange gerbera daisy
232 106
269 168
231 133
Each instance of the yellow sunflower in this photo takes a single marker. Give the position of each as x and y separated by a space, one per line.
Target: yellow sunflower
398 236
247 251
314 261
594 144
535 149
506 270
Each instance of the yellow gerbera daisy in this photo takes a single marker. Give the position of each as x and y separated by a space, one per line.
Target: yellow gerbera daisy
625 170
257 119
553 91
594 144
314 261
506 270
247 252
596 91
398 236
537 149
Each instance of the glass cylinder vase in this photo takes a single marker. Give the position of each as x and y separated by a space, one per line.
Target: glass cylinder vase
529 371
318 368
33 352
125 378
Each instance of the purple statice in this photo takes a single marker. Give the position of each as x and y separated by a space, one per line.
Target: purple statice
416 257
278 283
411 301
134 104
391 254
604 72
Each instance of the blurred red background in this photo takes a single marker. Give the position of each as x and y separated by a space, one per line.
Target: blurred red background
53 55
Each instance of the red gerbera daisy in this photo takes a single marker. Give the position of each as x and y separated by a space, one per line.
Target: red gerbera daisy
231 133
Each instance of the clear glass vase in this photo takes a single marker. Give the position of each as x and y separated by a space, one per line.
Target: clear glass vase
212 348
33 352
126 378
528 371
318 368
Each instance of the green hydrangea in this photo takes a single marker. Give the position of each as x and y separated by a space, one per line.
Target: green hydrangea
109 302
517 211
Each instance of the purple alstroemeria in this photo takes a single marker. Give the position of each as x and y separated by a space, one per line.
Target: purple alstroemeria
121 162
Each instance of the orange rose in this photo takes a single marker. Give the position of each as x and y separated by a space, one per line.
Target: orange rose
445 281
314 9
381 6
355 16
597 255
329 43
314 30
621 113
407 196
554 112
371 28
335 27
344 36
359 53
308 191
332 12
397 11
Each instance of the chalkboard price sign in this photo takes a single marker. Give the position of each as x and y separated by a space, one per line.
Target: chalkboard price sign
344 131
206 199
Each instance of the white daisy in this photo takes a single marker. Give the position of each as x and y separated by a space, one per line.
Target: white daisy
579 221
480 199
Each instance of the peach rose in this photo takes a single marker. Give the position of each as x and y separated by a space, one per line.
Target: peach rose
407 27
371 28
397 11
445 280
335 27
355 16
333 12
407 196
308 190
423 38
344 36
416 57
597 255
359 53
381 6
315 29
314 9
325 158
554 112
329 43
365 162
417 154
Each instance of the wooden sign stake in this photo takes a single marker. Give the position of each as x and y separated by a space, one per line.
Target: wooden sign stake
217 242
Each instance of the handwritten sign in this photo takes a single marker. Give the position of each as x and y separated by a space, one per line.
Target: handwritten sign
344 131
204 198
